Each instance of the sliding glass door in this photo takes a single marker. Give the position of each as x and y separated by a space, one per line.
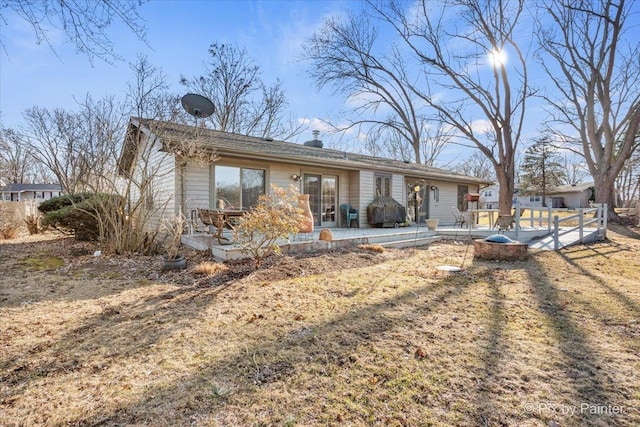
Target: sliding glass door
323 196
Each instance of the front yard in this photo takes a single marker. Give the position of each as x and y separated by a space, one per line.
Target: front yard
360 338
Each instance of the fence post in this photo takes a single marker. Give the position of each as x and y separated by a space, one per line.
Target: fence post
549 219
605 217
517 219
581 224
556 237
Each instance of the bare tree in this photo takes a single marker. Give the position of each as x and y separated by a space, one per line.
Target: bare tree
243 103
477 165
148 95
575 171
76 146
16 166
388 142
628 181
457 47
345 55
594 70
84 23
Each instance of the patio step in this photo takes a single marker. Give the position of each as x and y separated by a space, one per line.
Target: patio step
410 243
407 234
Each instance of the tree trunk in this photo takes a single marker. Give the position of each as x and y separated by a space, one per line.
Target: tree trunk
506 192
606 193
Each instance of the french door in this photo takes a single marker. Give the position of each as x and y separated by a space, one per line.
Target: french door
323 198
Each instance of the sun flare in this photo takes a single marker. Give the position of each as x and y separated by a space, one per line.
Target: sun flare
497 57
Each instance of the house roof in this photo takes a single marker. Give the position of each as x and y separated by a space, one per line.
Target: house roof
19 188
572 188
235 145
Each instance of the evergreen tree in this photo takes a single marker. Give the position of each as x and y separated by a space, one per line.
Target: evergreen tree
542 169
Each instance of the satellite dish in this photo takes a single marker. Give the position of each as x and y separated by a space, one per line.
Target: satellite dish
197 105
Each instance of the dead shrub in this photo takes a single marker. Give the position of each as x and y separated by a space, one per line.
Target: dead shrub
276 216
209 268
372 248
34 225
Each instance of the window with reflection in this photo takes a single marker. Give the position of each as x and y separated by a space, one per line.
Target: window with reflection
238 188
383 185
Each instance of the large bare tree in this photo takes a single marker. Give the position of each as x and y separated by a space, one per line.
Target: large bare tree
478 165
347 55
448 56
594 67
243 103
84 22
16 166
391 143
76 146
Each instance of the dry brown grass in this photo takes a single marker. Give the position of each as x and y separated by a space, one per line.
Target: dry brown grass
383 339
372 248
210 268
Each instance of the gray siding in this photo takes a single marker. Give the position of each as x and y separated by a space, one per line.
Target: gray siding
155 171
365 196
448 198
197 187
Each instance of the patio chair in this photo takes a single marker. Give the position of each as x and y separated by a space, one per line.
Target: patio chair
348 214
461 218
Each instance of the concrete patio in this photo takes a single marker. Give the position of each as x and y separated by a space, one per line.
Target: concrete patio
343 238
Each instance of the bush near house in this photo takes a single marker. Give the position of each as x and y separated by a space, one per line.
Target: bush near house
79 214
276 216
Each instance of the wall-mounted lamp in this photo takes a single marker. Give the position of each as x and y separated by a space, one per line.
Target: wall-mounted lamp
436 193
295 177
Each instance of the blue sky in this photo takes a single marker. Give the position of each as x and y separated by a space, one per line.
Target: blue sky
179 34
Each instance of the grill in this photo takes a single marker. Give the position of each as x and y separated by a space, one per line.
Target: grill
386 212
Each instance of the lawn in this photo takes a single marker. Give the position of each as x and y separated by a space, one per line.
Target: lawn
358 338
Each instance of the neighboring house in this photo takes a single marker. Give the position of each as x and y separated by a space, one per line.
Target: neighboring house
573 196
248 166
24 192
489 197
530 201
567 196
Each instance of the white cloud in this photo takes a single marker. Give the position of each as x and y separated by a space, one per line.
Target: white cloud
481 126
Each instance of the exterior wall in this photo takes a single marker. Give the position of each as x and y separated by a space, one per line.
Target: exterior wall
398 189
448 198
366 195
525 201
354 187
353 197
197 186
158 169
279 174
490 196
575 200
21 196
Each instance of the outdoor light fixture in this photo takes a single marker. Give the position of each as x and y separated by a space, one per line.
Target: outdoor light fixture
416 188
436 193
295 177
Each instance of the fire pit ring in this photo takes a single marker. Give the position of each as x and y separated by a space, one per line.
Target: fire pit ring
499 247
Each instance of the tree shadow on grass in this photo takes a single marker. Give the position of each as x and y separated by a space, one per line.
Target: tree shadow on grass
491 354
603 252
265 361
583 369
